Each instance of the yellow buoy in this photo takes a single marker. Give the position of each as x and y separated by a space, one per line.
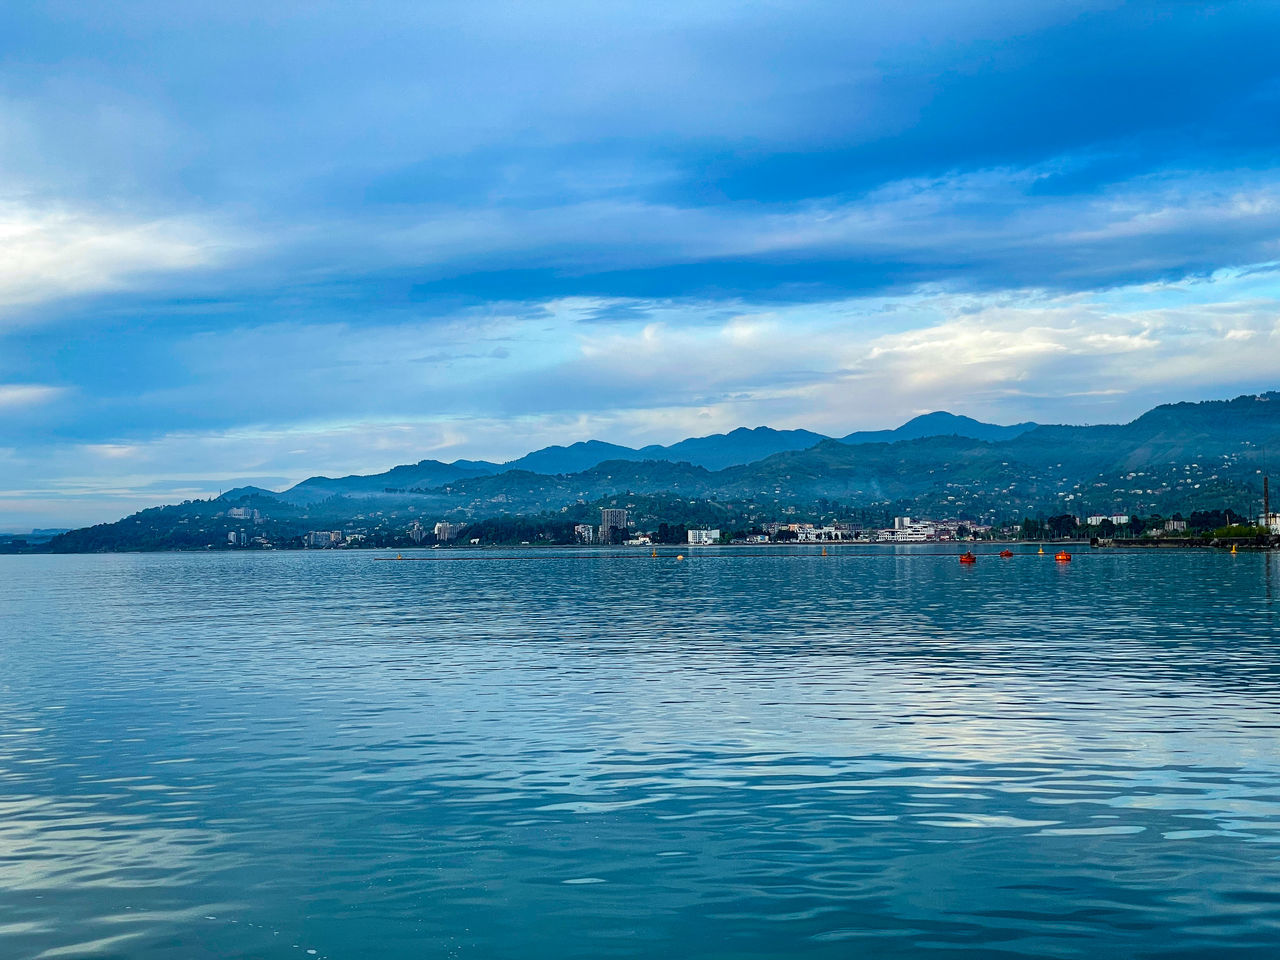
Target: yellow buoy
398 557
654 553
824 551
679 556
1040 551
1233 548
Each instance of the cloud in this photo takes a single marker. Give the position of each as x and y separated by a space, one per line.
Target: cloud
58 252
304 238
26 394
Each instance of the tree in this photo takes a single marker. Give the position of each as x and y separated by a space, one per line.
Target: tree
1061 526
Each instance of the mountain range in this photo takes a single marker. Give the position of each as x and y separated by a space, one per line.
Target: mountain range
1183 457
716 452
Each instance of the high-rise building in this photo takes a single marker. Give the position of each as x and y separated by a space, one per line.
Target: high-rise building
611 520
584 532
446 531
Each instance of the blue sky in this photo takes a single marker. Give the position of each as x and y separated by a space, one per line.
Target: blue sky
256 242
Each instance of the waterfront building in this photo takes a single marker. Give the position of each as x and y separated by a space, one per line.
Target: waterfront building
612 519
584 532
906 530
704 536
323 538
1271 521
446 531
1119 519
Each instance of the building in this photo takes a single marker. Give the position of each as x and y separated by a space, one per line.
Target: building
584 532
416 533
1175 526
1271 521
704 536
323 538
446 531
1119 519
612 519
906 530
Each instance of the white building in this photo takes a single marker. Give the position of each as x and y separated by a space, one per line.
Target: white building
446 531
1119 519
906 530
584 532
704 536
1271 521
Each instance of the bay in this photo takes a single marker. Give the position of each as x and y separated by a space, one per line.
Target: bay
559 753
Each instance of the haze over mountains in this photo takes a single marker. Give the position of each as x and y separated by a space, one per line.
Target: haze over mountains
716 452
1181 457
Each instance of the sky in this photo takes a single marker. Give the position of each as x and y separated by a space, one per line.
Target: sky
255 242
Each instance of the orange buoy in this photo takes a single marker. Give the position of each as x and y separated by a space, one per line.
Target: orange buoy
1006 554
968 557
679 556
824 551
1062 556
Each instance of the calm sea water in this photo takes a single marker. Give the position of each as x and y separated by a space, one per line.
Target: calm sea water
557 754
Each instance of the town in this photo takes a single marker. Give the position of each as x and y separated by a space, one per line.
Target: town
615 529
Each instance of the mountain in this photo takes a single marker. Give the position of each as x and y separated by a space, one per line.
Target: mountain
715 452
424 473
577 456
1182 457
941 424
738 446
238 493
1192 456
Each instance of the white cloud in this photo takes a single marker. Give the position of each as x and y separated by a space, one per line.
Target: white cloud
53 252
27 394
664 372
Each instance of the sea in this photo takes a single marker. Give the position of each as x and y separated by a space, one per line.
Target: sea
558 753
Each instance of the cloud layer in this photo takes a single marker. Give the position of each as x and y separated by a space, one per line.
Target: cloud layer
269 242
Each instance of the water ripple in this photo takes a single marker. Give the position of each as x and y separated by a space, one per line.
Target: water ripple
321 755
